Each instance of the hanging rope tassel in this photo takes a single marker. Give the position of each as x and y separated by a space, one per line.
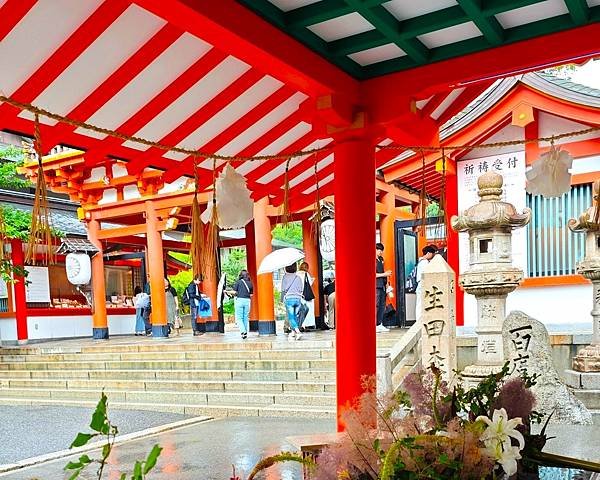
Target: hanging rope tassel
211 245
423 198
442 202
285 216
317 219
41 221
197 245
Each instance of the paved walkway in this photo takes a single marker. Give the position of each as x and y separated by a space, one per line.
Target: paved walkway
202 451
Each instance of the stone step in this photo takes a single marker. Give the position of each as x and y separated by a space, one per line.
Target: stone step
169 375
289 354
305 411
595 417
169 385
590 398
178 397
299 364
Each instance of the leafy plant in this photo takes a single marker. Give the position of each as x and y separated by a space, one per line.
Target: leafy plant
291 234
102 428
233 263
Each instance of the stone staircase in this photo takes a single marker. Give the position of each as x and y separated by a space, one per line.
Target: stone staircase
254 378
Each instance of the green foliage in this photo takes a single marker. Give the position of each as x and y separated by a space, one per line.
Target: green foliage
433 210
280 458
228 307
180 282
291 234
235 261
9 178
102 427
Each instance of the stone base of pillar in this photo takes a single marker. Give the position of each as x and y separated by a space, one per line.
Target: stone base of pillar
160 331
254 325
266 327
473 374
100 333
587 359
22 342
583 380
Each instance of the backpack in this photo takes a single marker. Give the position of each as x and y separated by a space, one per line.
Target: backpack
410 286
185 298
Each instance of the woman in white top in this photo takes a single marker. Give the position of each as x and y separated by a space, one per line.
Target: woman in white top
309 320
428 253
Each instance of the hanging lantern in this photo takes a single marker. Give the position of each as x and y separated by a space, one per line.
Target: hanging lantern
549 176
79 268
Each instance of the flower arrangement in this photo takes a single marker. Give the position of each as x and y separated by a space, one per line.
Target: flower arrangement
429 431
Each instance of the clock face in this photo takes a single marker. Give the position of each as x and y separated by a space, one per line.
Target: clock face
327 241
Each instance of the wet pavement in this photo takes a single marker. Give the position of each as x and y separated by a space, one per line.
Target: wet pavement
204 451
27 431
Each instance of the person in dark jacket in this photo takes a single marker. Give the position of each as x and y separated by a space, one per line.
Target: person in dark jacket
381 276
195 294
242 289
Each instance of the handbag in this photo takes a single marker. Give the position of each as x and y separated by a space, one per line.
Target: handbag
307 291
302 313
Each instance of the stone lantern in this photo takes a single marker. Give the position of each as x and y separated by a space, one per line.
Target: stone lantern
491 275
588 359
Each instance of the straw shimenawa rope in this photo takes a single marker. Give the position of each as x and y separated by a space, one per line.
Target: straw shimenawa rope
197 243
41 221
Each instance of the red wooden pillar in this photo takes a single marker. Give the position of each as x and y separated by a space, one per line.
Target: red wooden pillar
386 232
264 283
156 269
354 171
311 256
452 242
99 316
251 264
20 301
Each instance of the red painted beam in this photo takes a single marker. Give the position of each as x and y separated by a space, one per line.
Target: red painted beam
467 96
74 46
233 28
153 48
155 106
201 116
296 190
11 13
518 57
435 102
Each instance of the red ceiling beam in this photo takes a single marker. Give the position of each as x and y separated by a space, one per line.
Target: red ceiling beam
265 140
518 57
435 102
74 46
305 184
467 96
233 28
153 48
198 118
11 13
155 106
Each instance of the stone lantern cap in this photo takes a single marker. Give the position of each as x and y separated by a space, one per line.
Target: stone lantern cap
491 211
589 221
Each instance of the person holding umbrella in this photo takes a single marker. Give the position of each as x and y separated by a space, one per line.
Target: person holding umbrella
292 287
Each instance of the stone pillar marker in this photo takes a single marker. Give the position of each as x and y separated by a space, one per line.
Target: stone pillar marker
438 338
588 359
491 275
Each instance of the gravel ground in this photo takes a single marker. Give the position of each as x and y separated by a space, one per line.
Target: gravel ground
31 431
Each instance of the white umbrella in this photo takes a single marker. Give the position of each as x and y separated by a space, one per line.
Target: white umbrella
279 259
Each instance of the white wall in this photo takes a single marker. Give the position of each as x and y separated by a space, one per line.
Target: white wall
8 329
76 326
570 304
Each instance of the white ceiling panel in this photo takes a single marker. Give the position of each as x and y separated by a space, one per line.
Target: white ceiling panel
265 124
322 183
117 43
245 102
341 27
442 107
280 169
328 160
208 87
449 35
377 54
166 68
403 9
532 13
277 146
37 36
287 5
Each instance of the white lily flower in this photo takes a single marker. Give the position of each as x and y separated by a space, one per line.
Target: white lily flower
501 429
505 454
